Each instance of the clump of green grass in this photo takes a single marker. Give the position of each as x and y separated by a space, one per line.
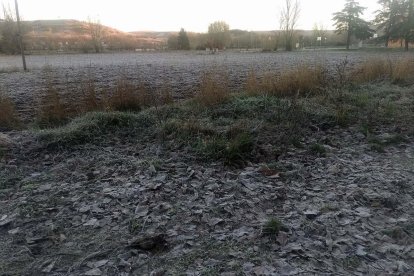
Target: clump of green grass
231 150
379 145
186 130
133 226
272 227
95 126
318 149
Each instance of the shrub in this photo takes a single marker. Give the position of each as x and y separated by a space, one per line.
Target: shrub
8 116
214 88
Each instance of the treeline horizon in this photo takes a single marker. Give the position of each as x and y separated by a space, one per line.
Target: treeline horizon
393 23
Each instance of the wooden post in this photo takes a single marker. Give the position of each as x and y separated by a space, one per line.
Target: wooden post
19 35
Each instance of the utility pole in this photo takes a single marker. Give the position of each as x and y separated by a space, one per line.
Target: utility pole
19 35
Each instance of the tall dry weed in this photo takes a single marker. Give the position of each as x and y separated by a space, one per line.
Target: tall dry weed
396 71
403 71
301 81
252 86
8 116
51 111
90 101
214 88
124 97
372 70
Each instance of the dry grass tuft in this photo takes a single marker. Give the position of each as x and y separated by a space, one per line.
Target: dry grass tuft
89 100
52 111
165 94
214 88
396 71
8 116
372 70
403 71
301 81
124 98
252 86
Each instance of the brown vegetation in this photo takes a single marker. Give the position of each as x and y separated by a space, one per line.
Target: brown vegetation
214 88
300 81
8 116
396 71
52 111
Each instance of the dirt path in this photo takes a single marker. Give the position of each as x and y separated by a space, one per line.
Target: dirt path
133 209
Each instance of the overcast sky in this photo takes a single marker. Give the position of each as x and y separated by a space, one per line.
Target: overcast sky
171 15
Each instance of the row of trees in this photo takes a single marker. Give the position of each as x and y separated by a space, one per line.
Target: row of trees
395 20
218 37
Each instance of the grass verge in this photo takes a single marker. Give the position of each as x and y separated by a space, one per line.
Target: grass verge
94 127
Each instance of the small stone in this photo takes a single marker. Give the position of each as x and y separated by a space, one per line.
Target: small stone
363 212
91 222
311 214
44 188
14 231
360 251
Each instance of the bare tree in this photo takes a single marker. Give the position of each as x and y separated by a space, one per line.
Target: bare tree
289 17
96 31
9 42
219 35
319 33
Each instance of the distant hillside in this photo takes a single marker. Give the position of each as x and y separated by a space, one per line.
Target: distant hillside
73 35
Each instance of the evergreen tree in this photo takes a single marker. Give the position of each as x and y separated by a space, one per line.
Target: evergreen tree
9 42
183 43
408 23
348 20
390 19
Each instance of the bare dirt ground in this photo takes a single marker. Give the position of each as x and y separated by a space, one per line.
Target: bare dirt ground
125 208
179 70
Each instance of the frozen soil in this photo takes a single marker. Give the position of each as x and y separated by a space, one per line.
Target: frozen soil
181 71
127 207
